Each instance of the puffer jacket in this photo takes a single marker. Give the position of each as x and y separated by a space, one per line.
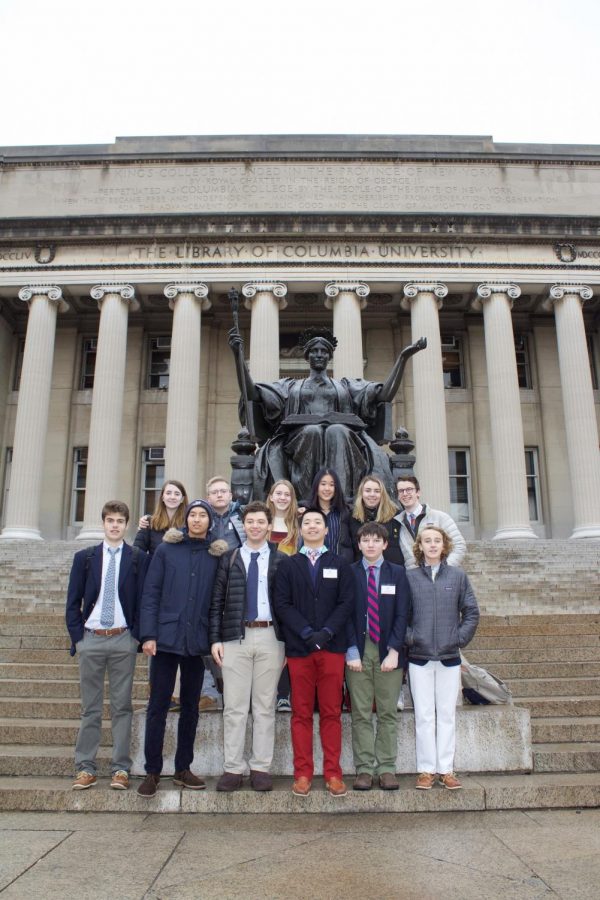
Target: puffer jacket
177 593
432 517
228 606
444 613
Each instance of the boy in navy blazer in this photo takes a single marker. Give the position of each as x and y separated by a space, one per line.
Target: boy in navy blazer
375 658
314 595
103 597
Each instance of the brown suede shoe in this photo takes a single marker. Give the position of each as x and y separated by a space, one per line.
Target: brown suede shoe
425 781
388 782
363 782
229 781
187 779
260 781
336 787
149 786
120 780
450 781
83 780
302 786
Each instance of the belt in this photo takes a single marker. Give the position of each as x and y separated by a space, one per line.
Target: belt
107 632
257 624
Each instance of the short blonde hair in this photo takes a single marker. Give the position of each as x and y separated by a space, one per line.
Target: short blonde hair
418 547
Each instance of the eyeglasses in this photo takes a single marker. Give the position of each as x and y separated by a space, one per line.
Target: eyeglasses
406 490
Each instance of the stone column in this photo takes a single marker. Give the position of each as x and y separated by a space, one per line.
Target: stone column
29 444
579 408
508 447
187 302
347 299
431 437
264 299
104 443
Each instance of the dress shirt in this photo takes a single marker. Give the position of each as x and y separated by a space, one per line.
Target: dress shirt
264 607
94 617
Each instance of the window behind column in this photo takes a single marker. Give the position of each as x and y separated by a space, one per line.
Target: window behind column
18 364
523 361
452 361
80 455
592 356
533 484
459 466
159 361
6 482
88 364
153 476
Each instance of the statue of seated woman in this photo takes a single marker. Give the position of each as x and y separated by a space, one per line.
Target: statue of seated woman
317 421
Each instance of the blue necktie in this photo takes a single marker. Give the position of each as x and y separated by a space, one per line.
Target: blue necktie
252 587
107 613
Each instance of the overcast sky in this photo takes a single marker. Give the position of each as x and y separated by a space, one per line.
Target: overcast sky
76 72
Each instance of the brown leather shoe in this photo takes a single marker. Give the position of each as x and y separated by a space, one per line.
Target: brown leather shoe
229 781
120 780
388 782
149 786
363 782
260 781
425 781
302 786
187 779
83 780
336 787
450 781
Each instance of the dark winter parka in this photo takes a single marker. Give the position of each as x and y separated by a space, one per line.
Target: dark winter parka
177 593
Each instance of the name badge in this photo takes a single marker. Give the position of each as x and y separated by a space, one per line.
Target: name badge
329 573
388 588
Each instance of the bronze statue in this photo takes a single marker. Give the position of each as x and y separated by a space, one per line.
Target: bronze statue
302 424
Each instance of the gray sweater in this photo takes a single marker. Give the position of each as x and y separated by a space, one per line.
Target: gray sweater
444 613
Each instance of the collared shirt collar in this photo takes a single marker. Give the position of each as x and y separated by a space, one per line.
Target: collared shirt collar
416 511
262 550
109 547
367 565
304 549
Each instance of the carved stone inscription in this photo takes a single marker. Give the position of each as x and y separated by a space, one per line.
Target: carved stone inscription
257 186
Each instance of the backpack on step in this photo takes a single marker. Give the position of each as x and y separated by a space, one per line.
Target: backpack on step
481 687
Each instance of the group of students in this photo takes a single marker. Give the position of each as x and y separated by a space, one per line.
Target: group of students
335 593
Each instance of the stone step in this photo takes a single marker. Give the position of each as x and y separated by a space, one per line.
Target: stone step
560 706
50 708
571 618
35 642
57 689
574 757
45 731
550 687
40 761
38 671
531 626
536 791
516 641
58 656
554 729
24 627
513 671
494 656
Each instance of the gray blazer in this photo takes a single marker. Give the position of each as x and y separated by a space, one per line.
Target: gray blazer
444 613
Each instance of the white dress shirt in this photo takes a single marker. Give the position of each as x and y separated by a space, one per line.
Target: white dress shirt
264 607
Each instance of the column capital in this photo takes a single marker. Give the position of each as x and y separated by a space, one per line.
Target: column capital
197 288
277 288
558 291
51 291
414 288
488 288
124 291
334 288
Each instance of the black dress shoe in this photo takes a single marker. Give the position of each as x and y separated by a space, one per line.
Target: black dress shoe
229 781
260 781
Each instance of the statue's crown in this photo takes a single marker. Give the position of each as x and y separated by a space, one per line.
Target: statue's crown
317 331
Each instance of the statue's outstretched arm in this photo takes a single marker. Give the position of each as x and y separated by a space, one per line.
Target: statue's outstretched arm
246 385
391 385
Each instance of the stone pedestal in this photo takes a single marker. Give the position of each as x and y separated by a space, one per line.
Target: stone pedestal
29 445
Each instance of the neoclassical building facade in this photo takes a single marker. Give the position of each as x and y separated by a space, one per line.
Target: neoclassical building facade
115 266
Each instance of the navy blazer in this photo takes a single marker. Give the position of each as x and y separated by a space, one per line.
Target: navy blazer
394 609
327 602
85 582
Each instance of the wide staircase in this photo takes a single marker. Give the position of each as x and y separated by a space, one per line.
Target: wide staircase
550 660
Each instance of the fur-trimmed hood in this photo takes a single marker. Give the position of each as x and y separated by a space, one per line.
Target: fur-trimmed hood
176 536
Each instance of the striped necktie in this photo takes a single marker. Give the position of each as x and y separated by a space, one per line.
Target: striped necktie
373 606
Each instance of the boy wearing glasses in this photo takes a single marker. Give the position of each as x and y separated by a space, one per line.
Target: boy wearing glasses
416 516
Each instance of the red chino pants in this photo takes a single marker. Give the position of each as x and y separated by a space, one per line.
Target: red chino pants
320 673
